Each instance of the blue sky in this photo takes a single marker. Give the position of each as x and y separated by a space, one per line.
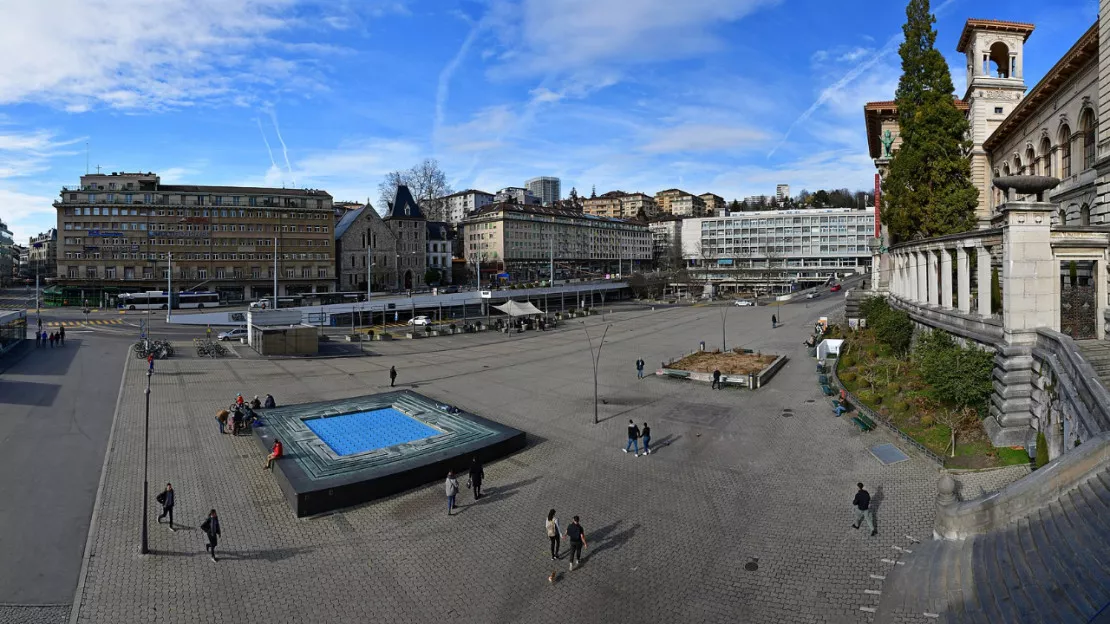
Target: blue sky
722 96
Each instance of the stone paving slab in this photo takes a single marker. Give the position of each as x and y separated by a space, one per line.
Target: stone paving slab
669 533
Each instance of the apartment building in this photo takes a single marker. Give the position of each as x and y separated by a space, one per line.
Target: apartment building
524 240
714 204
782 192
124 232
42 255
679 203
440 252
666 242
620 205
517 194
458 205
548 189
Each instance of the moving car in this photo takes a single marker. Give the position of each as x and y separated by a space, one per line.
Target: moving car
813 295
742 303
233 334
450 290
417 321
835 288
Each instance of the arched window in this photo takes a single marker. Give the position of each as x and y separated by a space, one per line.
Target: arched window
1063 216
1065 151
1017 165
1000 60
1046 157
1087 130
1084 215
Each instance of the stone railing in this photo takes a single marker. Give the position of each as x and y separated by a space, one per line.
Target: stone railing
1067 383
922 271
960 520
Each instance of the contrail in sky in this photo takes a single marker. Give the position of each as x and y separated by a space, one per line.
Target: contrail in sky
269 151
284 151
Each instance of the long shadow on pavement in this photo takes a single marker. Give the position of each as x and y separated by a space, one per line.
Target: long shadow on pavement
607 539
44 360
28 393
498 492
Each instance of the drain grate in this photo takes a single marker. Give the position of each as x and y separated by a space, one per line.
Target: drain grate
810 401
752 565
787 413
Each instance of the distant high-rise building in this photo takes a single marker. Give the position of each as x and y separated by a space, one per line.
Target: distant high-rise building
548 189
782 192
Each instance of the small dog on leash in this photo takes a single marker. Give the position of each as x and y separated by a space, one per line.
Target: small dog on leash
551 579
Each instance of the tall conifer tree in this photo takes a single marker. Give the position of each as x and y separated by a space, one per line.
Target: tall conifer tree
928 189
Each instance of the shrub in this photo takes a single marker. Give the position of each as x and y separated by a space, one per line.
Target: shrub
956 374
927 420
868 397
900 407
1042 450
847 377
892 389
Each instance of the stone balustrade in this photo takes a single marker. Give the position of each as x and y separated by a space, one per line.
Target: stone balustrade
922 272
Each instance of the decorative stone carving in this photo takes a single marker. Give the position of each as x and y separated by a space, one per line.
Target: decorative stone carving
995 94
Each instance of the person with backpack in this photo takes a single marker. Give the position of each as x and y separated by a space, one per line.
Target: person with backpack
452 488
552 527
165 499
211 528
577 536
633 437
640 368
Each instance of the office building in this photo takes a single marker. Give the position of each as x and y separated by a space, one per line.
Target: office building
119 232
458 205
775 249
522 241
666 243
548 189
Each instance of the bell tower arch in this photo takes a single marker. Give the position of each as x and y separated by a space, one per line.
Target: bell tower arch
995 85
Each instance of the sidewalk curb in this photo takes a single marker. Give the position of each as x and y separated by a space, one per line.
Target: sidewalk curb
75 607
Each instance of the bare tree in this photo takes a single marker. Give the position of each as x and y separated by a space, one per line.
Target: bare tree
427 183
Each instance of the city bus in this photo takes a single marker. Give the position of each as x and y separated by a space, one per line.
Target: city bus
159 300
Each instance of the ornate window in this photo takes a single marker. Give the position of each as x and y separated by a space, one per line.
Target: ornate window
1087 125
1065 151
1046 157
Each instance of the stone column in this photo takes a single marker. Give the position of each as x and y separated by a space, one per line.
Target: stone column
934 287
946 279
911 276
922 277
963 281
983 269
1029 272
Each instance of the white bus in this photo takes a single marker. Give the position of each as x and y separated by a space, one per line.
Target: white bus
159 300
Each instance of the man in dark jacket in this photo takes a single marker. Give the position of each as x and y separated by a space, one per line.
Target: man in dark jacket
392 375
165 499
633 437
62 334
476 476
640 368
211 528
577 539
862 501
269 403
716 385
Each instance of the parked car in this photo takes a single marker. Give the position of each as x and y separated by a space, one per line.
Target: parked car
450 290
835 288
418 321
233 334
743 303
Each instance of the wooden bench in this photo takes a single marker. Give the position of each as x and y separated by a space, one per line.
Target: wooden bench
822 380
862 421
827 389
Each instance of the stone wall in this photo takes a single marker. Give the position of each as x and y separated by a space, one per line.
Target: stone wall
1066 389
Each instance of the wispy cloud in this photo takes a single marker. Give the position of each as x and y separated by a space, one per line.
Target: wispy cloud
832 90
704 138
443 85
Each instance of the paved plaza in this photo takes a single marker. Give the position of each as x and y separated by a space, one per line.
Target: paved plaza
671 535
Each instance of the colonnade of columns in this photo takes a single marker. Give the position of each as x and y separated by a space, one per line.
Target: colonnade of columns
924 276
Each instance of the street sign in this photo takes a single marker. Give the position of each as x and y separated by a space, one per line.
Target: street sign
486 294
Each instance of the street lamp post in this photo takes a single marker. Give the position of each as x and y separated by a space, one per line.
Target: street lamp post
724 317
146 456
595 358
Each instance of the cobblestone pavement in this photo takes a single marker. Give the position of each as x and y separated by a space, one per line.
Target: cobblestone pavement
970 485
669 534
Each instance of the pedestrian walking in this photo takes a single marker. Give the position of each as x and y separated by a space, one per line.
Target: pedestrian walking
862 501
577 536
552 526
774 321
211 528
633 437
392 375
476 476
38 339
640 368
165 499
44 338
716 385
221 417
51 340
645 435
452 487
62 334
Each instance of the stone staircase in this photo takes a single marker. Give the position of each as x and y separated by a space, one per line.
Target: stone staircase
1097 354
1052 565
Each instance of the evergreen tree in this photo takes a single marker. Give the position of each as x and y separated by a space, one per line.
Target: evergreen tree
928 189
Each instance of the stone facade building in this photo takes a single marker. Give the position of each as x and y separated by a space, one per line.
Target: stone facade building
362 236
406 221
121 231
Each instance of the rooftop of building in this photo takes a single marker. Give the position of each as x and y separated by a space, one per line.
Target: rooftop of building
1085 50
466 192
674 190
241 190
404 206
550 211
875 112
348 219
794 212
973 24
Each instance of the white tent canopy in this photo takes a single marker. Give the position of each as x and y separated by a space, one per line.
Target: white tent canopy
514 309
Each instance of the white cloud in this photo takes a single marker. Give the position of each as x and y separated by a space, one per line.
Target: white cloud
25 214
853 55
26 153
135 54
704 138
564 36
